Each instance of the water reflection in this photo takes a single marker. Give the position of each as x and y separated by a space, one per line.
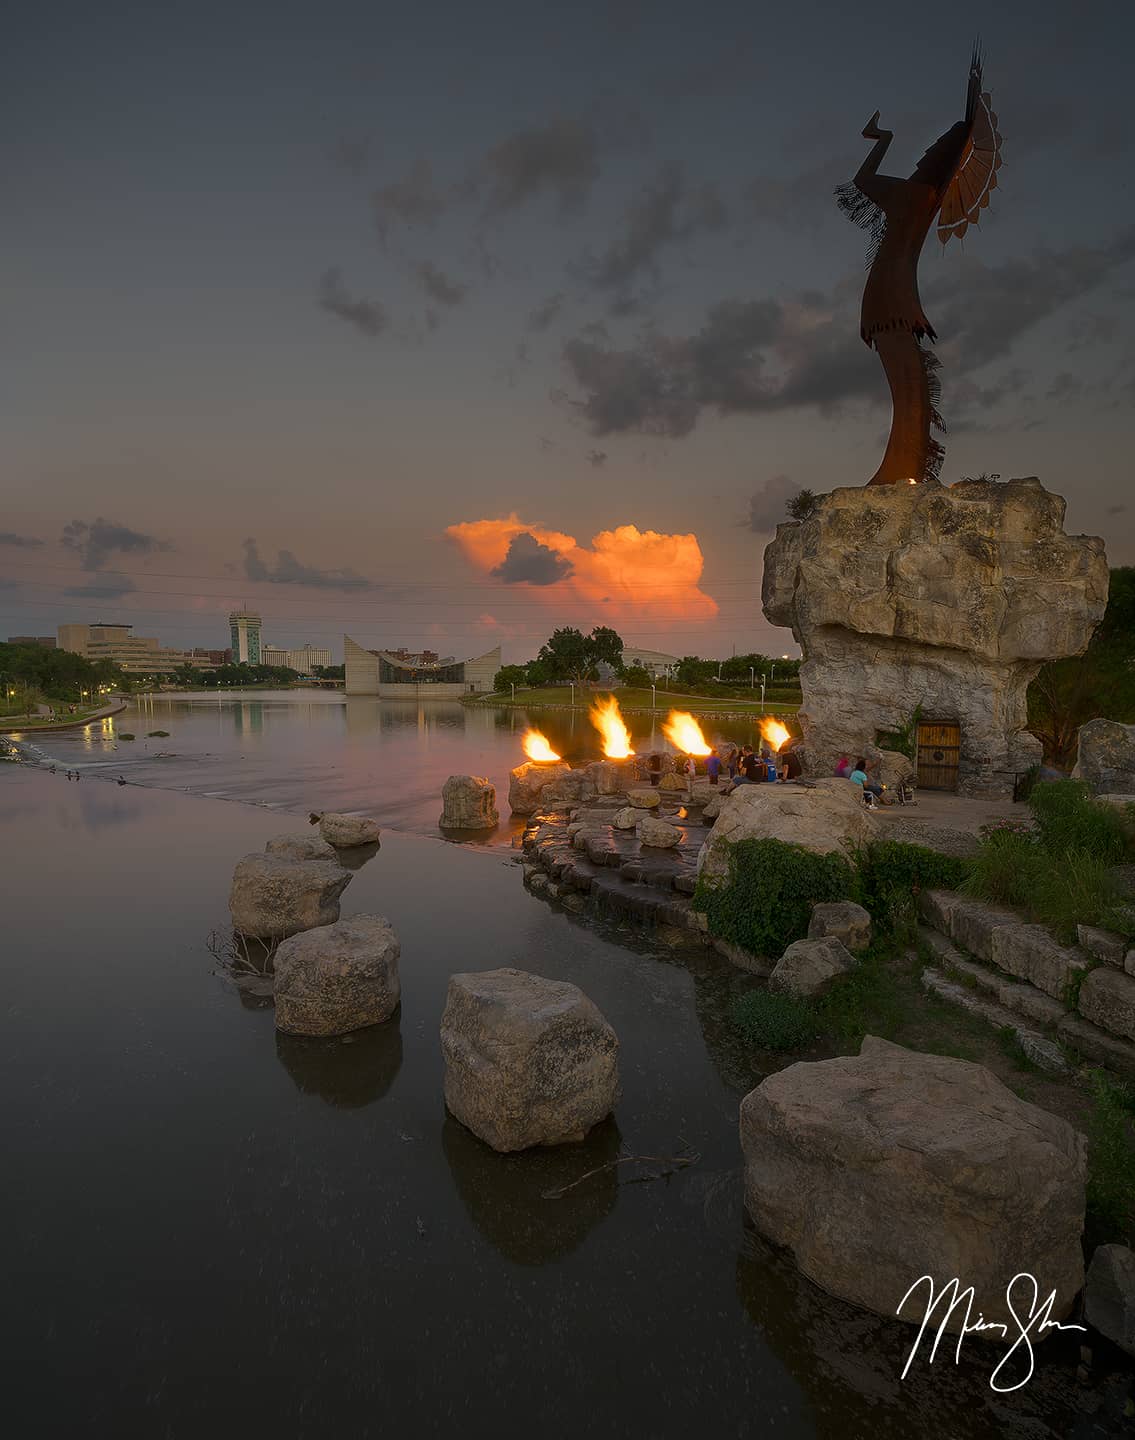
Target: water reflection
504 1194
348 1071
357 856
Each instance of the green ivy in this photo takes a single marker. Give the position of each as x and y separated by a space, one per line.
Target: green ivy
891 874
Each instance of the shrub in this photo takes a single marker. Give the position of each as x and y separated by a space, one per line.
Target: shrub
1009 868
1067 819
765 901
891 874
905 738
1111 1162
771 1021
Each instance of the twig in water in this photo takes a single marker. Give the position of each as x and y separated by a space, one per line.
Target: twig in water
675 1162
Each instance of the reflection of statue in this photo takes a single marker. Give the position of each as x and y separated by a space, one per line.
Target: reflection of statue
952 182
504 1194
348 1072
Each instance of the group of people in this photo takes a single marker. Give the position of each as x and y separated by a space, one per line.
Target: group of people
859 772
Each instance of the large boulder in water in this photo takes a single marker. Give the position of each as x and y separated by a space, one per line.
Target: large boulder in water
337 978
273 897
1105 758
301 847
347 831
527 781
822 816
468 802
528 1061
880 1168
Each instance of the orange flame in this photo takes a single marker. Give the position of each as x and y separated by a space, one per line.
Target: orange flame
608 721
684 733
536 747
774 732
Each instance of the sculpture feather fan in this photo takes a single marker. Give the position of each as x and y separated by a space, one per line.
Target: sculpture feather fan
970 190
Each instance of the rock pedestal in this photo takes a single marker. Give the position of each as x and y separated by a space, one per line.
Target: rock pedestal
1105 758
528 1061
337 978
273 897
468 802
944 598
527 781
344 832
825 816
880 1168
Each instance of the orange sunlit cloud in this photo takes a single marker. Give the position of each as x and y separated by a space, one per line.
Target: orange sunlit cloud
632 573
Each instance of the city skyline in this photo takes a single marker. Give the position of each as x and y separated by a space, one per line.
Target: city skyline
443 353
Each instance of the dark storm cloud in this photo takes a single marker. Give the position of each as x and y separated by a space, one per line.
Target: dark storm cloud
438 286
1065 386
289 571
803 198
768 507
663 214
369 317
105 586
94 543
542 315
596 459
411 201
561 157
23 542
530 562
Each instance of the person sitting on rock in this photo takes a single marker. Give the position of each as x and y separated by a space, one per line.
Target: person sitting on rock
871 788
751 767
843 766
791 767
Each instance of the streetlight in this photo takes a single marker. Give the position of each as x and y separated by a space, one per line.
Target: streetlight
513 691
572 684
752 676
762 692
653 696
772 671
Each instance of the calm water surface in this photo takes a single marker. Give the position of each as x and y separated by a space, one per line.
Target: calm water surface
214 1229
306 750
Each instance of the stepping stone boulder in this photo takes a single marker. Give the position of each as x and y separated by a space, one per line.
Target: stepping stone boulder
273 897
808 967
879 1168
346 831
644 799
658 833
300 847
527 781
1109 1295
672 782
843 920
468 802
337 978
626 818
712 807
528 1061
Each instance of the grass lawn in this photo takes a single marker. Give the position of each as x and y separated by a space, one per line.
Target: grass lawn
40 722
634 699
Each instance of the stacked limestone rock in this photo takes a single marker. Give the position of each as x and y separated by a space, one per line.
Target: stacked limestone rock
337 978
344 832
274 896
469 802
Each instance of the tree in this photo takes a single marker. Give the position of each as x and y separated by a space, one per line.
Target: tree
803 504
538 672
509 675
637 676
1100 683
185 674
571 655
606 645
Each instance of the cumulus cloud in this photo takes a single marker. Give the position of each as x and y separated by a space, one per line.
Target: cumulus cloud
96 541
528 561
23 542
622 576
768 507
369 317
561 157
105 586
438 286
410 201
290 571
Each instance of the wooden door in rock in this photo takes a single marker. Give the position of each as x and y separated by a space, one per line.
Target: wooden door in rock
939 746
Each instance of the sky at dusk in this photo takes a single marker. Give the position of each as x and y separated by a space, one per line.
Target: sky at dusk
445 324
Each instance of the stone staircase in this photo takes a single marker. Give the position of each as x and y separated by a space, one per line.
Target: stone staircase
1063 1003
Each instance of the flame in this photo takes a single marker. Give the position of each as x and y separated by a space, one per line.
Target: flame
536 746
773 731
684 733
616 737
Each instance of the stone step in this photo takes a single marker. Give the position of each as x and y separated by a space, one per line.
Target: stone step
1038 1048
1016 995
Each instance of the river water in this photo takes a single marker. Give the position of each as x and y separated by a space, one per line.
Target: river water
211 1227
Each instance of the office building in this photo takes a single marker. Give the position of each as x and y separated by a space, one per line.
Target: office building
400 675
656 661
136 654
304 659
244 627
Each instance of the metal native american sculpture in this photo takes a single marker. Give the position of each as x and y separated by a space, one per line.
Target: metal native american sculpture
953 182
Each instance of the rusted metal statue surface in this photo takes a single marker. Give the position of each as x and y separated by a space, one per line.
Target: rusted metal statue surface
952 182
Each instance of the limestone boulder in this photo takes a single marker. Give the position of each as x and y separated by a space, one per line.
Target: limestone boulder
948 598
273 897
808 967
528 1061
1105 759
301 847
644 799
674 782
611 777
344 832
1109 1295
468 802
626 818
1032 953
824 816
879 1168
337 978
658 834
712 807
892 768
1107 999
528 781
841 920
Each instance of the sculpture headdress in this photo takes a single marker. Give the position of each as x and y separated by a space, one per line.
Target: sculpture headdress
976 176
